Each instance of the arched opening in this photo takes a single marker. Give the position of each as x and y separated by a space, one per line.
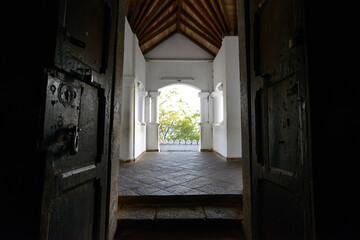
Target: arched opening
179 118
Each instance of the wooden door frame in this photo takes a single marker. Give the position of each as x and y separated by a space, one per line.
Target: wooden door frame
245 97
244 55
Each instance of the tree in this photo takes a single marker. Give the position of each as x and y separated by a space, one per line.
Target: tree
177 120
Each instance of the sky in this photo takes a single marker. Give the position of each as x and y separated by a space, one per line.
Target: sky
186 93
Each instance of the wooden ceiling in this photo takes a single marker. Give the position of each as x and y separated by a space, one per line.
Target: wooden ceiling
205 22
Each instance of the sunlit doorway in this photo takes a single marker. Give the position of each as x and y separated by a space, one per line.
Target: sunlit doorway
179 118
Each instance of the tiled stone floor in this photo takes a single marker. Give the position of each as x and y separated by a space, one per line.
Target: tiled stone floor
180 173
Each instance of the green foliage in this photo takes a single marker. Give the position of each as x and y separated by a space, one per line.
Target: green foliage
177 120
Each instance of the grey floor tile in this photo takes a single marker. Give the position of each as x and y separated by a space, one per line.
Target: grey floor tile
180 173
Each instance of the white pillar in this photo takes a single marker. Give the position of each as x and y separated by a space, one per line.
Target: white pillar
152 128
127 119
204 107
141 102
147 109
205 126
218 107
154 107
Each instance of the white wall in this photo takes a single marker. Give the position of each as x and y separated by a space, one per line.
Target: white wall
178 57
220 132
140 76
200 72
227 136
132 133
233 97
178 47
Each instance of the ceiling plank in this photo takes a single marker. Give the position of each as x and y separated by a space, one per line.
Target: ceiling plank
221 15
197 43
149 16
151 27
204 10
134 14
179 2
157 32
141 15
201 34
216 12
201 27
201 18
225 13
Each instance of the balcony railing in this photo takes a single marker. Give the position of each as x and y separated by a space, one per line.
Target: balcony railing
179 145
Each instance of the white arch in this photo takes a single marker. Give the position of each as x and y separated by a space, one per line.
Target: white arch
180 83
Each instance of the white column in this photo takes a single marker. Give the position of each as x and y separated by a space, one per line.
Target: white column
127 119
204 107
218 107
141 102
205 126
154 107
152 128
147 109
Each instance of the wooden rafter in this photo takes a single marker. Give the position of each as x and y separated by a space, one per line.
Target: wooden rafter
215 11
157 32
139 19
204 22
134 14
148 16
221 16
158 22
179 2
154 17
201 34
201 27
208 17
226 16
201 18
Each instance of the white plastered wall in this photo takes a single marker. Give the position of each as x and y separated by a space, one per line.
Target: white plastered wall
132 131
227 135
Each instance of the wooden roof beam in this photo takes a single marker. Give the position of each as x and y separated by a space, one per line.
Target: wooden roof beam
226 15
140 18
157 32
201 34
148 18
148 29
202 19
201 27
179 2
208 16
135 13
217 13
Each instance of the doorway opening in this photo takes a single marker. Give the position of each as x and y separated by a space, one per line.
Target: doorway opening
179 118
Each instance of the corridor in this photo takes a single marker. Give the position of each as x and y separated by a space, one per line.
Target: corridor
180 173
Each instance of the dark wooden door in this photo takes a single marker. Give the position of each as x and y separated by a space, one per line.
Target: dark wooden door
279 111
75 192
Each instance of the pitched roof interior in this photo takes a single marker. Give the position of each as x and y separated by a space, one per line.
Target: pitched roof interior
204 22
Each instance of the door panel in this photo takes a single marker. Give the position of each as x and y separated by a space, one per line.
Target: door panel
283 117
280 163
281 218
73 214
74 135
274 23
75 188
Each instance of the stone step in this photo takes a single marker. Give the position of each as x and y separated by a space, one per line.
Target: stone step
186 211
224 199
